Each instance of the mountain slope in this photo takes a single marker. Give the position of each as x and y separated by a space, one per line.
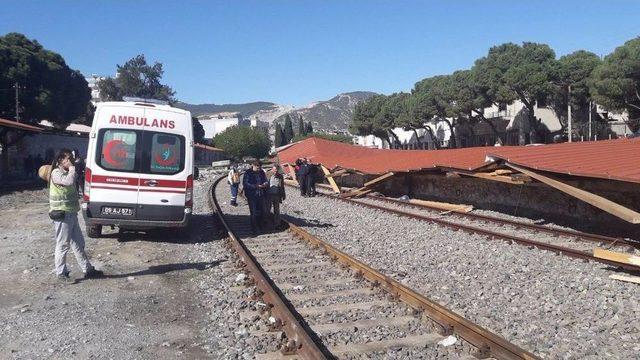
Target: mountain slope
331 115
244 109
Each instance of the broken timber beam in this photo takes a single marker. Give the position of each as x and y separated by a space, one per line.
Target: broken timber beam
329 177
292 172
616 256
367 188
493 177
598 201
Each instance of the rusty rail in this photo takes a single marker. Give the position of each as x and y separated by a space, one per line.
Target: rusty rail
487 343
304 345
494 234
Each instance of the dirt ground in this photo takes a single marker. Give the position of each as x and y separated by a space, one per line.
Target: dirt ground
151 304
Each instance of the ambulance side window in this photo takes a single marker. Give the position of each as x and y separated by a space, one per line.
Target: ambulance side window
118 149
167 154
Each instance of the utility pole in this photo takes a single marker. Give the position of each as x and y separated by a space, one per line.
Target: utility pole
17 86
569 110
590 111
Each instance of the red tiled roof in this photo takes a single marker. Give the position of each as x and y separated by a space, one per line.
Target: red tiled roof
20 126
377 161
608 159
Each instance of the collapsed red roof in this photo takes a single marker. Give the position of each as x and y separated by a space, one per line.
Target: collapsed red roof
608 159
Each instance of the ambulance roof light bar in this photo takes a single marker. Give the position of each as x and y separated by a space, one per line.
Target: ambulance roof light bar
143 100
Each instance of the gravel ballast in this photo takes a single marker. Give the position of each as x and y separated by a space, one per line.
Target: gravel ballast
554 306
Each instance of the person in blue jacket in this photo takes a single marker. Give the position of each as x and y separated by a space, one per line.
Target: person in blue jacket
255 185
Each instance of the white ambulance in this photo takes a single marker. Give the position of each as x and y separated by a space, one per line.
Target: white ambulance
140 170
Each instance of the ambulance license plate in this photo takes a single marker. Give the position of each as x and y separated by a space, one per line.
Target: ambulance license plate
120 211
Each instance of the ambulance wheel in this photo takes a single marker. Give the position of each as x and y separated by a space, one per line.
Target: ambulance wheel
94 231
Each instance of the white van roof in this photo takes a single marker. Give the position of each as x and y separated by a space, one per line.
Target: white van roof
143 104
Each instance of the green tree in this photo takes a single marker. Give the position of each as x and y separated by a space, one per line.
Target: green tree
434 102
615 84
241 141
136 78
389 112
301 128
279 136
309 128
288 129
574 71
48 88
513 72
365 122
198 131
333 137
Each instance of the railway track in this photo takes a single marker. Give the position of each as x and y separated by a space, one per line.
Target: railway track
567 242
331 305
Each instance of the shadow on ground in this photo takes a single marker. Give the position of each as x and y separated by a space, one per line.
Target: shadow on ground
202 229
163 269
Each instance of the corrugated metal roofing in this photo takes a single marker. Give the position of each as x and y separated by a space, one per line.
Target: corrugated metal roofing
608 159
378 161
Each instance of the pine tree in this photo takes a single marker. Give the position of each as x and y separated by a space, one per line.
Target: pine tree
309 128
302 131
288 129
279 136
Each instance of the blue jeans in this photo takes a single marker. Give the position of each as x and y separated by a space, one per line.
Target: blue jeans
256 207
234 191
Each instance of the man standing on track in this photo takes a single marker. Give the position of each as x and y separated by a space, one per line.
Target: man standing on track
255 185
234 182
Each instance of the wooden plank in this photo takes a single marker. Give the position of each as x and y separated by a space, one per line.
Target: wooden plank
363 324
367 186
340 308
626 278
337 173
493 177
442 205
378 179
616 256
381 345
600 202
292 172
332 182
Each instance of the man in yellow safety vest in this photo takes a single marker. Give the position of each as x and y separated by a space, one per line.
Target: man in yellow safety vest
63 210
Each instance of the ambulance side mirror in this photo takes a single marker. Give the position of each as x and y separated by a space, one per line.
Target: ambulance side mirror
196 173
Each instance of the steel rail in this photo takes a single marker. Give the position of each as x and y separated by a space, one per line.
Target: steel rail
487 343
304 345
515 223
493 234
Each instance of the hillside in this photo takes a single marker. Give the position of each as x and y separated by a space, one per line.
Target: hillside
330 115
244 109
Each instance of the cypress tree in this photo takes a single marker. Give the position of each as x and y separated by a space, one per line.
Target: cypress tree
288 129
302 131
309 128
279 136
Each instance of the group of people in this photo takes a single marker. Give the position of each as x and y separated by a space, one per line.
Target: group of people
307 175
264 193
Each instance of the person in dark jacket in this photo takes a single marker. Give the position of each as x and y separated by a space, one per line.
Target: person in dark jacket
255 185
312 176
301 174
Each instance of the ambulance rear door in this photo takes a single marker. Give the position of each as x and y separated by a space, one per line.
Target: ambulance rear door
165 166
115 176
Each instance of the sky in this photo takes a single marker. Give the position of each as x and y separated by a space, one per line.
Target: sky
297 51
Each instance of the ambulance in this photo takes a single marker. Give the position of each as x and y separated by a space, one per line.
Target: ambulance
139 168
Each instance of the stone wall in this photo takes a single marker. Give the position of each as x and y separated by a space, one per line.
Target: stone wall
533 200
